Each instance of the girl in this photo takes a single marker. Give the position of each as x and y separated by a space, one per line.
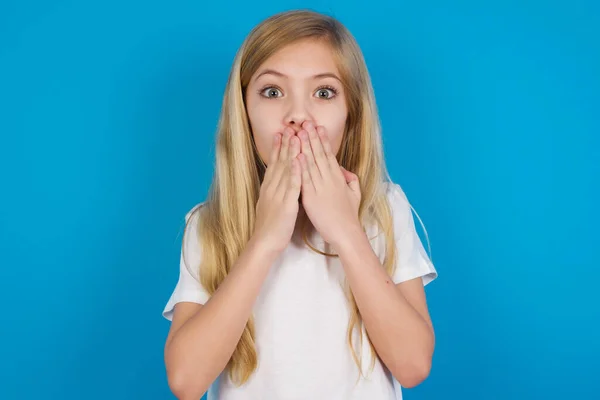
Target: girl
302 275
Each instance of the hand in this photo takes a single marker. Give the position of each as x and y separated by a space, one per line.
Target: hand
277 206
330 194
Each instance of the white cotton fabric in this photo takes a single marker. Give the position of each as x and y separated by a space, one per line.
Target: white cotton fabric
301 317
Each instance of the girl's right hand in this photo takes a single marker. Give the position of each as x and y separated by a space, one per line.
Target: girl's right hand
277 206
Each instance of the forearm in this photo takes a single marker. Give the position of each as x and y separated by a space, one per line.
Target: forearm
202 347
403 339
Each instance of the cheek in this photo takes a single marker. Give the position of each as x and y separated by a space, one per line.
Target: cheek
263 129
335 131
263 143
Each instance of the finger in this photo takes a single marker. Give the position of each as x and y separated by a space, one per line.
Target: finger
294 147
355 186
275 149
272 167
317 149
285 143
295 182
307 183
347 174
321 131
309 158
351 180
294 150
279 167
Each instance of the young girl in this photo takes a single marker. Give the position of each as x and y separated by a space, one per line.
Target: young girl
302 275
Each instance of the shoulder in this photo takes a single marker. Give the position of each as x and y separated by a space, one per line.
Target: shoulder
192 218
191 242
191 245
403 220
193 213
394 191
399 207
402 210
398 201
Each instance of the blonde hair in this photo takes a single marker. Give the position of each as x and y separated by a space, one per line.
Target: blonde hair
228 215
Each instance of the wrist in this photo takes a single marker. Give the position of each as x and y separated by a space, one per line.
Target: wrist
262 249
349 239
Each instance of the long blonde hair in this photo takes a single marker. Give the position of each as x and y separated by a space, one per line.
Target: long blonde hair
228 215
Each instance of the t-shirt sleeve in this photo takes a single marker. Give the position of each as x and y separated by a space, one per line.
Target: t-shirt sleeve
412 259
188 286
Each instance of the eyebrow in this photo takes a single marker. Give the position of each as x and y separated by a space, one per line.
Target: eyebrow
317 76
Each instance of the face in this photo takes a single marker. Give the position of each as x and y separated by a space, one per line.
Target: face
299 83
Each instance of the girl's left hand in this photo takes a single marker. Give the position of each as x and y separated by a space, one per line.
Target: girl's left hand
330 194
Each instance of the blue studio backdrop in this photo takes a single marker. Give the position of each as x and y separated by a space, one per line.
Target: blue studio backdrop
490 114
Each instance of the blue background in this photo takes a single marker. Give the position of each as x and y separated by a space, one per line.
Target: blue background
491 122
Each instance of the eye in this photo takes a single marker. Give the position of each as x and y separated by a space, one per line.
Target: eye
323 92
270 92
326 92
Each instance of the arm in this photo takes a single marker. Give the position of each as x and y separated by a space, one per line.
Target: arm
395 316
202 338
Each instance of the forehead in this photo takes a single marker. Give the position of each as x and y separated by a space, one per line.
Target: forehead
302 59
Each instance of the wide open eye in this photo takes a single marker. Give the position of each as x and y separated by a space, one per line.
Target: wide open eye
270 92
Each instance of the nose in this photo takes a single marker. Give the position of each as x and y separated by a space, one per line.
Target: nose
296 114
295 122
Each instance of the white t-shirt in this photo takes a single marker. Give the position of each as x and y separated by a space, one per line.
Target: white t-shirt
301 318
